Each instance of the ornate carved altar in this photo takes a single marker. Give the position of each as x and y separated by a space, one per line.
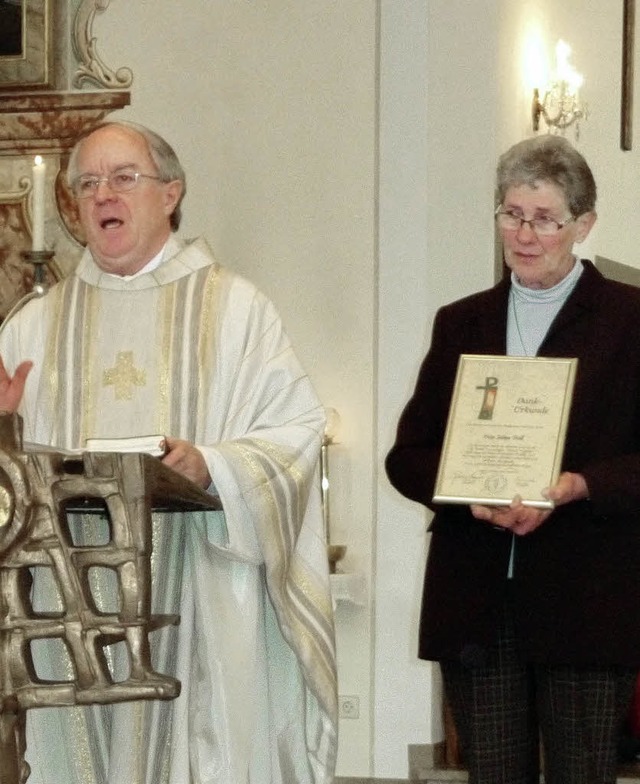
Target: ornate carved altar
44 106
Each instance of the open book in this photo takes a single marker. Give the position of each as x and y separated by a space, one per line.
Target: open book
154 445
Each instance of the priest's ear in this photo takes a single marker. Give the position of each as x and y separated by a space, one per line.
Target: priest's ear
172 194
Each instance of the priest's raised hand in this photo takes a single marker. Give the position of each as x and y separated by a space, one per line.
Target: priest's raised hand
12 387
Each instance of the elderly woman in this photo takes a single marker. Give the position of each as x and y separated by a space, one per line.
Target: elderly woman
534 614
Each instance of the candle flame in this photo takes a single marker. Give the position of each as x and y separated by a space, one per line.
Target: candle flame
535 65
565 71
38 160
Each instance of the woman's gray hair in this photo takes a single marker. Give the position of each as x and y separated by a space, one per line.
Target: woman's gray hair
548 159
162 154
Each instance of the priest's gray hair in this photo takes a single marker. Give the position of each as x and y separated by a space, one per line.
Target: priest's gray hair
162 154
550 159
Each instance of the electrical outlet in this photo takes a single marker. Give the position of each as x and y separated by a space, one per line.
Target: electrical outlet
349 706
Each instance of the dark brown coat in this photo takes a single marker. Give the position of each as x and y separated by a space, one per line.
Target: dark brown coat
577 578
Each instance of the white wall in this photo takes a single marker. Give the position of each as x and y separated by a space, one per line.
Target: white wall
402 685
436 244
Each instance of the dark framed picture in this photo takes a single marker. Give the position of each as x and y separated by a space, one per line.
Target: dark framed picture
26 50
628 46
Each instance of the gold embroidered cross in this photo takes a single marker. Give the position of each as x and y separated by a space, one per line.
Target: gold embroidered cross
124 376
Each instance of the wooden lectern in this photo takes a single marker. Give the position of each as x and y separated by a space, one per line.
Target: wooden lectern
38 489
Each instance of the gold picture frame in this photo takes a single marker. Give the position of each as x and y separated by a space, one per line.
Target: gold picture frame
506 430
27 61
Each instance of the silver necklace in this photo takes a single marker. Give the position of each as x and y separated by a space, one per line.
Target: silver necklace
514 309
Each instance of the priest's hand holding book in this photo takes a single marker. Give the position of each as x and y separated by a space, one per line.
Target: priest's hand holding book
187 459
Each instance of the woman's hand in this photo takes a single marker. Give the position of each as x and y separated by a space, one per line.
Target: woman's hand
12 387
184 458
522 520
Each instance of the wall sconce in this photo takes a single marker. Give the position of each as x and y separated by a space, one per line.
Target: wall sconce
561 105
335 552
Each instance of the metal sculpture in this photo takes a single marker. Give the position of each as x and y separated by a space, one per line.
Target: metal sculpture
38 490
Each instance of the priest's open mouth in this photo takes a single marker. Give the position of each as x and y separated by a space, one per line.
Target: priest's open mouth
111 223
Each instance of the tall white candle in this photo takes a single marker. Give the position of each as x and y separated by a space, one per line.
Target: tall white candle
39 173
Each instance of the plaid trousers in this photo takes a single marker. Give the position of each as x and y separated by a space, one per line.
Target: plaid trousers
502 707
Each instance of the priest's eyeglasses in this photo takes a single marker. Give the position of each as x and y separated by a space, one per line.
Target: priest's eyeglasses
119 181
542 226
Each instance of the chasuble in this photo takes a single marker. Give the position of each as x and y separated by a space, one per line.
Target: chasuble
194 351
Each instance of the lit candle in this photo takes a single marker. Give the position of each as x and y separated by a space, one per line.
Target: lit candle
566 72
39 172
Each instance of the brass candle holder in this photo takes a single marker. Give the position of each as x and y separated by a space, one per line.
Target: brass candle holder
335 552
39 259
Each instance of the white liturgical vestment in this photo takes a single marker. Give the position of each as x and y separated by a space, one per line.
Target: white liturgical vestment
193 351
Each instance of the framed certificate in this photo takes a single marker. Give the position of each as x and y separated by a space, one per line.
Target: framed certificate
26 45
506 430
